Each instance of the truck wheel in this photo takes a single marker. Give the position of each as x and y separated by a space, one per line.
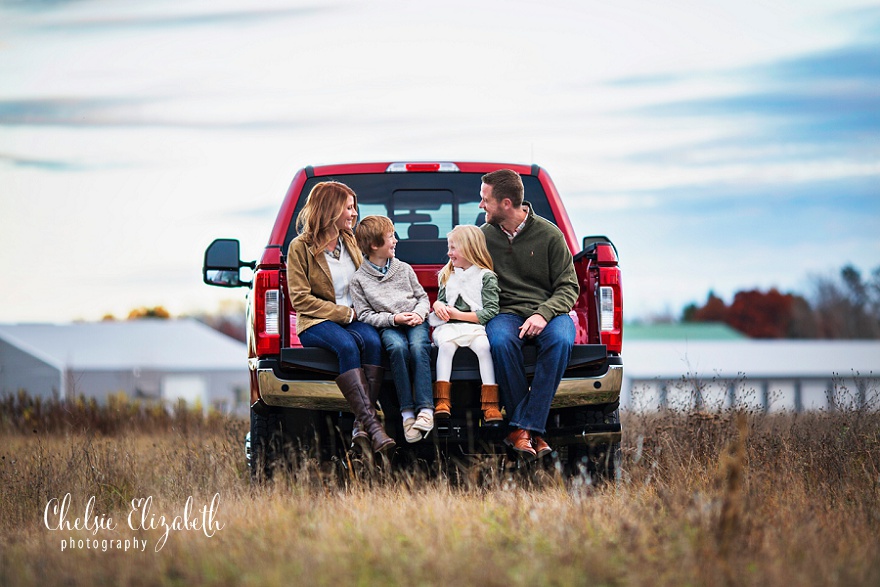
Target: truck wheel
598 461
266 443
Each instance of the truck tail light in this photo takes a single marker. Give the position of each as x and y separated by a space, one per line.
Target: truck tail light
414 167
611 308
606 308
267 313
271 316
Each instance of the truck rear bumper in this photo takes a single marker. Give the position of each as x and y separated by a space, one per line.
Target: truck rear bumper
323 394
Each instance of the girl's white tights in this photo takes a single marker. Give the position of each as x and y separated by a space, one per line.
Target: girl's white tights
480 346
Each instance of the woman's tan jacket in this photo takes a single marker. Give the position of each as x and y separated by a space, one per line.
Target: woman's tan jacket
310 285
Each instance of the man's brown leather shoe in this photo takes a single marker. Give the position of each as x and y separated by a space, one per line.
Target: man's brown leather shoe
521 442
542 449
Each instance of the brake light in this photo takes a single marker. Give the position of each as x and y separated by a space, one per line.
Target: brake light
414 167
606 308
271 317
611 308
267 313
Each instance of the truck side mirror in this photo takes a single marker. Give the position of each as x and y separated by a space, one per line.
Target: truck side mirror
222 265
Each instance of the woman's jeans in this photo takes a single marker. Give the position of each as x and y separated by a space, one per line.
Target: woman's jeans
529 408
355 344
409 351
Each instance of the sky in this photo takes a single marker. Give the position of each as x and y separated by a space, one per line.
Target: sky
721 145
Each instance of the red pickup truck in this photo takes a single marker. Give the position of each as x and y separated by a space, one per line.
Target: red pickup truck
295 404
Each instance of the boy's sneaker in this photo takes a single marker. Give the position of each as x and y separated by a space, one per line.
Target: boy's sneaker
410 433
424 422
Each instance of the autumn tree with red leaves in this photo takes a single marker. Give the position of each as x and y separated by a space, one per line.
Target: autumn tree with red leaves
844 309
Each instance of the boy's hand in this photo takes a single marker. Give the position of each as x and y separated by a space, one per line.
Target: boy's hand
442 310
407 319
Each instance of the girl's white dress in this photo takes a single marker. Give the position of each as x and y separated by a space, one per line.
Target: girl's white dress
466 284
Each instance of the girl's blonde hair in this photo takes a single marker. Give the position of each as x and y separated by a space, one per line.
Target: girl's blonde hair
471 244
325 204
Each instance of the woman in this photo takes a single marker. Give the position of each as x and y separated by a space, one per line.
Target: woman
320 264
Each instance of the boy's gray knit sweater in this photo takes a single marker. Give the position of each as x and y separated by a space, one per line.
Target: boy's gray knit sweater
377 297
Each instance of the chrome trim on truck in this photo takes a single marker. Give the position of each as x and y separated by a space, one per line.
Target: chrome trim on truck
324 395
586 391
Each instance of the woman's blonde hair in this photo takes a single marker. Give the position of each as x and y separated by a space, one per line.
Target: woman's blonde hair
325 204
471 244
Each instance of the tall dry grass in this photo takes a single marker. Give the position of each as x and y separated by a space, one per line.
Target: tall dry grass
725 498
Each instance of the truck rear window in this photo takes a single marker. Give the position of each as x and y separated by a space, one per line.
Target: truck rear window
423 206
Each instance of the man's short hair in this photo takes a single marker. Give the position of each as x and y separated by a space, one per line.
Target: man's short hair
371 231
506 183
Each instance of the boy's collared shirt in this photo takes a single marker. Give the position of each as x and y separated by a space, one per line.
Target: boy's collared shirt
383 269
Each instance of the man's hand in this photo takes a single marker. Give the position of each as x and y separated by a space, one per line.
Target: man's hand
533 326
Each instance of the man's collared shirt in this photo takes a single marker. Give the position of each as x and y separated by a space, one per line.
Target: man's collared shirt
510 236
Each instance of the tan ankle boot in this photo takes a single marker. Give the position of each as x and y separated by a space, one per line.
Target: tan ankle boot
442 399
489 403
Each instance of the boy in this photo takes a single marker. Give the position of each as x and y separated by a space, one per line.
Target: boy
386 294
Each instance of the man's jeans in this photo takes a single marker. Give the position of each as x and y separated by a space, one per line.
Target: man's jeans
528 409
409 351
355 344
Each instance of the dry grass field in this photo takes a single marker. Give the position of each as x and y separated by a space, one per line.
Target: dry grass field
727 498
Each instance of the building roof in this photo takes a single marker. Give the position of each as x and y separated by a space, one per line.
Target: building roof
170 345
753 359
682 331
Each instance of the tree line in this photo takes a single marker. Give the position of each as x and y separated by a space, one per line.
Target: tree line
846 306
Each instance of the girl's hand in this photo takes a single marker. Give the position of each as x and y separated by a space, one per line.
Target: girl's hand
442 311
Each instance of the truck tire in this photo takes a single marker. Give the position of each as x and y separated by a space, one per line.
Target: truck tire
599 461
266 443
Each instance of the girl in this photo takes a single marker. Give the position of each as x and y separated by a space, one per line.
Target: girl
466 300
320 264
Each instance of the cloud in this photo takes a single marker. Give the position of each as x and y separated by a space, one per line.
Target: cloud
161 21
58 111
858 62
121 112
815 107
837 93
43 164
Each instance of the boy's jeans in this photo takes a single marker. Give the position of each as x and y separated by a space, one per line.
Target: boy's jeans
409 351
528 409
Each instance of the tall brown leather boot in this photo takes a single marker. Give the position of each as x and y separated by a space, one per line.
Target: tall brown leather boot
489 404
375 375
442 399
353 385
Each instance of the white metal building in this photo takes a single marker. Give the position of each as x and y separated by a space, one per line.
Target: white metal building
690 370
146 359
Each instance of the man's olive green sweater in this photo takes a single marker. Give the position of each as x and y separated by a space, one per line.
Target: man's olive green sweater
535 271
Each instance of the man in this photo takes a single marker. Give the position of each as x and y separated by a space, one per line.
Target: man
538 289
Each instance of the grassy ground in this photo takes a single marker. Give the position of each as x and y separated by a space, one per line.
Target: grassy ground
702 499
